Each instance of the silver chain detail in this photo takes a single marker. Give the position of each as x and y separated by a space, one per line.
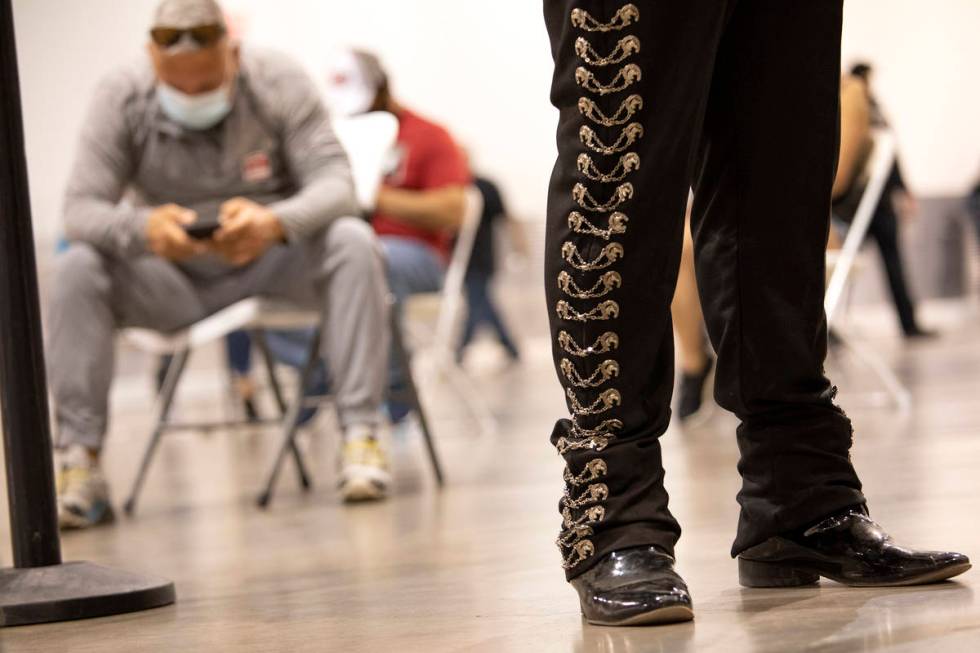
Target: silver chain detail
609 255
605 285
626 77
627 47
582 512
581 550
581 194
607 310
565 444
608 400
632 133
627 163
607 369
581 225
624 17
604 344
594 493
627 109
593 470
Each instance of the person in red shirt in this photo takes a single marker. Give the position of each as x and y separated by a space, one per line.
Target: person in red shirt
420 204
422 199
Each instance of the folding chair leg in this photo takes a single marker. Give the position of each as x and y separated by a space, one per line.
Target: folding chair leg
290 421
165 401
898 393
412 396
258 335
461 382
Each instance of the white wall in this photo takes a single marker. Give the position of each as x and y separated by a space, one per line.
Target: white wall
926 55
484 69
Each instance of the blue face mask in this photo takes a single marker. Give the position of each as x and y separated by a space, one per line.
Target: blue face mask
197 112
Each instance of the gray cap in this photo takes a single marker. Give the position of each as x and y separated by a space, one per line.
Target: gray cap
184 14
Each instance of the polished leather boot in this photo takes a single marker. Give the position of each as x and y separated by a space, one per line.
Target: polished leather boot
633 587
848 548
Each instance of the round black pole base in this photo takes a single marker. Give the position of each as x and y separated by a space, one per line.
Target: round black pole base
76 590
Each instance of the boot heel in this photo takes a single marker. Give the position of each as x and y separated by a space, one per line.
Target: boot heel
772 574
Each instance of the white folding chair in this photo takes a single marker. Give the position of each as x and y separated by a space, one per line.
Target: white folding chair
877 171
367 139
435 317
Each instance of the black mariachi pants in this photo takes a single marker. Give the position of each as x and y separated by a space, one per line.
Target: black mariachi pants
738 98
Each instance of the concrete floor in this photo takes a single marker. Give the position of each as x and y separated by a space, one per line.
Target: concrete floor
473 567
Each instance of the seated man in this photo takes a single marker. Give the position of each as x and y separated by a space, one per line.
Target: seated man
422 201
206 134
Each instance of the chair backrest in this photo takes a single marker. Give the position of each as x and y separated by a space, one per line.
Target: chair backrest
452 289
368 139
878 168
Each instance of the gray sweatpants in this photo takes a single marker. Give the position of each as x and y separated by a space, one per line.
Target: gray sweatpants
340 270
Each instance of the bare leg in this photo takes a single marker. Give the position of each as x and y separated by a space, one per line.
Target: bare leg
686 311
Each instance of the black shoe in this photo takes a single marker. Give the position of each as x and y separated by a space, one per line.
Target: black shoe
251 411
916 333
849 548
692 391
833 338
633 587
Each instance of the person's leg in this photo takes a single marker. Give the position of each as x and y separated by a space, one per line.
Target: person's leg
474 315
762 212
685 309
238 348
342 272
412 267
339 271
760 222
884 229
491 316
92 296
630 88
696 363
238 351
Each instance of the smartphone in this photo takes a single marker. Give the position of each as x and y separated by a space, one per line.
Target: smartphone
204 227
201 230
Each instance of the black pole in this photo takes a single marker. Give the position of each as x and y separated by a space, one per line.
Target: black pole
23 387
39 588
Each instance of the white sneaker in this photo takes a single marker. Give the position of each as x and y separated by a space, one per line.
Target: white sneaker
83 493
364 474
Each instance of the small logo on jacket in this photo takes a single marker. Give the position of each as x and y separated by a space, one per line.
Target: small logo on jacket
256 167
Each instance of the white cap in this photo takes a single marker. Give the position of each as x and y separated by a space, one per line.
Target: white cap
354 78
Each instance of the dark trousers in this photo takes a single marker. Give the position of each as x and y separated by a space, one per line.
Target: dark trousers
480 310
884 229
738 98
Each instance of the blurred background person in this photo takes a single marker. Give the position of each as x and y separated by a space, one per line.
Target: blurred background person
973 206
481 309
860 113
201 133
696 359
422 200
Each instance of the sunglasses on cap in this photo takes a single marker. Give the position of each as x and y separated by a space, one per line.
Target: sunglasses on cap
203 35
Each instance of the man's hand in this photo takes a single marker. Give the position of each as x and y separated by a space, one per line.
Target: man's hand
165 235
247 230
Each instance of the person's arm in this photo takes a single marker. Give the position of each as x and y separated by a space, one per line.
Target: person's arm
439 204
103 167
855 123
435 210
315 157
